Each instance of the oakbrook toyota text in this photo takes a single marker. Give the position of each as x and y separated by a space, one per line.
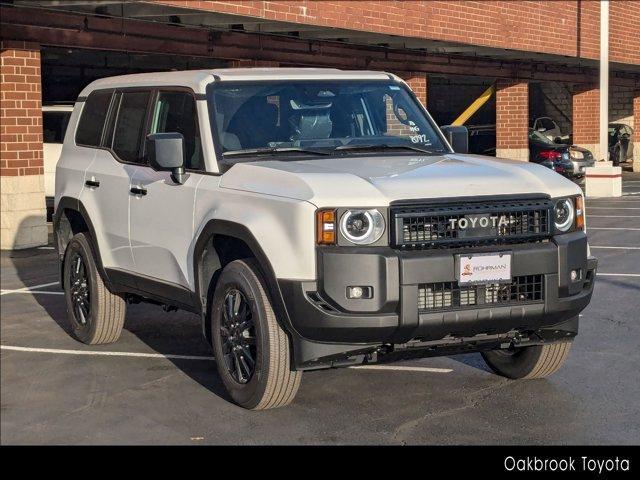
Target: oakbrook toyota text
569 464
312 218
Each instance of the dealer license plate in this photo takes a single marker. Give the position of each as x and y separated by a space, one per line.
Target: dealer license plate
484 268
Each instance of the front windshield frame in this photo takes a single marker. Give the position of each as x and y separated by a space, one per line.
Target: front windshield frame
221 158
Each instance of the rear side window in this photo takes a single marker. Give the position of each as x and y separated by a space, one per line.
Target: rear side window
54 126
94 113
129 127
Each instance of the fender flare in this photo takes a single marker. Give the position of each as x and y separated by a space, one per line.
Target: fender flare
69 203
241 232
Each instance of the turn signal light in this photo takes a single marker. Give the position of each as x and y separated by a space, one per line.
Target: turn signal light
579 213
326 227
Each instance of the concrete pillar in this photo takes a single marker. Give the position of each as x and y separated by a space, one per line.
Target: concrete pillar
418 82
586 114
512 120
636 131
22 204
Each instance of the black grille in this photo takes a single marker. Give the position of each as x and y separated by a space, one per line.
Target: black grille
471 223
451 296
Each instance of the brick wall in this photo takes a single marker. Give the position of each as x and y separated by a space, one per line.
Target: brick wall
20 110
22 204
636 133
417 81
586 123
621 104
537 26
512 119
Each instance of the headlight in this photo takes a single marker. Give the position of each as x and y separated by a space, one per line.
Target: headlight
564 214
362 227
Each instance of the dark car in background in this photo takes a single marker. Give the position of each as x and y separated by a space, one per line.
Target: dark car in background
568 160
620 143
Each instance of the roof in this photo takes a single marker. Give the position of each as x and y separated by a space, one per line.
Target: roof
199 79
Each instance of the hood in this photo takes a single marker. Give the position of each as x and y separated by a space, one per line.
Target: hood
378 180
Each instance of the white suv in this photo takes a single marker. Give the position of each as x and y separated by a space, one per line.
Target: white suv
314 218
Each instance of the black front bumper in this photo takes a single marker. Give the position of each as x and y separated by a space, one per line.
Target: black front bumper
324 321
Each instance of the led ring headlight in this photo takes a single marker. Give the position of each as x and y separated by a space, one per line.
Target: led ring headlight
564 214
362 227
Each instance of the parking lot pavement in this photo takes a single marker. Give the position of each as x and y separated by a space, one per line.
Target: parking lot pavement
158 384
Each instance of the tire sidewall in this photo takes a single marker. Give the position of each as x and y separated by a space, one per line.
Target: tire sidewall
80 244
238 275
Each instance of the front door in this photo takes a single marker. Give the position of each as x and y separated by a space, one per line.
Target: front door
162 210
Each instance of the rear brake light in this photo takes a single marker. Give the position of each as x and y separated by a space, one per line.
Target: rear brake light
550 155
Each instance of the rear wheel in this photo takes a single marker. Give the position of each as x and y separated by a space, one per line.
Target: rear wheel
538 361
251 349
96 315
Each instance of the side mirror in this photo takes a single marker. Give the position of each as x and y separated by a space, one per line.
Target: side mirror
166 154
458 137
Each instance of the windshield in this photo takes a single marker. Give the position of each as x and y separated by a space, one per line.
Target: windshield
282 117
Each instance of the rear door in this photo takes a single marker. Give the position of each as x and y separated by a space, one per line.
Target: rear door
162 210
108 180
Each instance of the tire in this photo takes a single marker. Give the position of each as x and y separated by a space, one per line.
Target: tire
100 317
538 361
251 349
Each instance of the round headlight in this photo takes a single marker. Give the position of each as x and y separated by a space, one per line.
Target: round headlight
362 227
564 214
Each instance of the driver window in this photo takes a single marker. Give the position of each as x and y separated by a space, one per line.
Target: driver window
176 112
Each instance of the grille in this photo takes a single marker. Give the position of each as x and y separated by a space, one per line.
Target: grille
471 223
451 296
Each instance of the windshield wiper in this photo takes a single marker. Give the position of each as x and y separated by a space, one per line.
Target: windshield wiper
272 150
384 146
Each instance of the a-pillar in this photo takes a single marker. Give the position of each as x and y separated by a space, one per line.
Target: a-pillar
22 202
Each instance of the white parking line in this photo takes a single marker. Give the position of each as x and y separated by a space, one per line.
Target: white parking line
613 208
617 274
614 248
105 354
614 216
402 368
198 357
30 292
31 289
612 228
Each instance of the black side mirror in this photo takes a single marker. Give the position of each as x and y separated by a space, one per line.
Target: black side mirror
458 137
165 152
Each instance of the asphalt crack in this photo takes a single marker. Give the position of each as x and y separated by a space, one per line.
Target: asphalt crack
474 399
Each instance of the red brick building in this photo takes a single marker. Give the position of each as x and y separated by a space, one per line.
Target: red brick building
541 55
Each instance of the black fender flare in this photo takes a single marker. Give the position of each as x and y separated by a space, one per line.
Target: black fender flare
69 203
241 232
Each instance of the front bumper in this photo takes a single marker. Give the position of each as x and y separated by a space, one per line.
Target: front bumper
319 312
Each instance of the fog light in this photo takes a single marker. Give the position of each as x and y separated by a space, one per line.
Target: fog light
575 275
356 293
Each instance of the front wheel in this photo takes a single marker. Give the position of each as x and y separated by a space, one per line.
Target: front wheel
96 315
251 349
537 361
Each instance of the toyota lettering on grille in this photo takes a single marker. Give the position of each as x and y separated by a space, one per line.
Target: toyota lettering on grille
494 221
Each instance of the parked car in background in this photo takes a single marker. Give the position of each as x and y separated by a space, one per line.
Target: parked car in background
620 143
568 160
55 119
547 126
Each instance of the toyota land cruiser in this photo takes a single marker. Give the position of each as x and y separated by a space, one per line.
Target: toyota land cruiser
313 218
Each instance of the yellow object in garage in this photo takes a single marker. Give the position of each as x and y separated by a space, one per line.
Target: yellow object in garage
475 106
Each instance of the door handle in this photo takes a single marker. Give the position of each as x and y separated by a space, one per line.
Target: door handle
92 183
138 190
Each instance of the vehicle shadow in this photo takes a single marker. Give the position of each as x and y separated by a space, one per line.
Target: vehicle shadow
167 333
